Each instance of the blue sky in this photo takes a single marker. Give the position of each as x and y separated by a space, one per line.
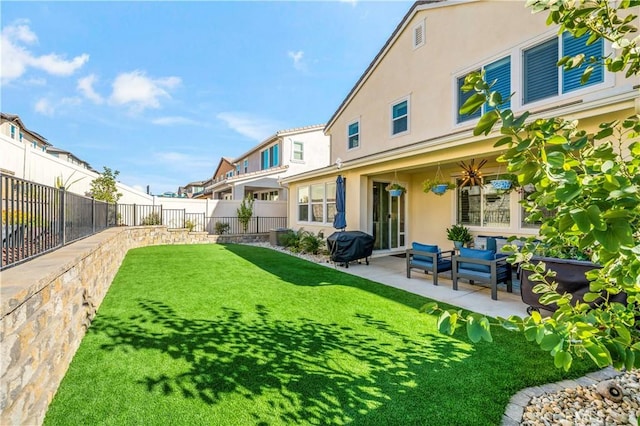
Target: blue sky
161 90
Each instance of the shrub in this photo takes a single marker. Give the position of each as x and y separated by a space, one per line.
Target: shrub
221 227
153 219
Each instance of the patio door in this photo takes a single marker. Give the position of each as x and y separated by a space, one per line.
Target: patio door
388 218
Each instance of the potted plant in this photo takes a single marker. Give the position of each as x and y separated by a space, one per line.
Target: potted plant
460 235
504 183
395 189
437 185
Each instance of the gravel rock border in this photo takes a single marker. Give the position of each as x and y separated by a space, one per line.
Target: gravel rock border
578 402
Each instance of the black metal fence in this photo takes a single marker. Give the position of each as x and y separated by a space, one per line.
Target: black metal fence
233 225
38 218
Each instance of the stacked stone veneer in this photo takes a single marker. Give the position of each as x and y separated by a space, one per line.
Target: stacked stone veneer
48 303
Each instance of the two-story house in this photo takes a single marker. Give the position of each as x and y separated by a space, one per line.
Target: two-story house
259 171
12 126
68 156
401 121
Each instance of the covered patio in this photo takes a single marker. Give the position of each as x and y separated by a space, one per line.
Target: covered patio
391 270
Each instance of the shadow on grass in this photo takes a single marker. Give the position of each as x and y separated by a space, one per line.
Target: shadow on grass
298 371
304 273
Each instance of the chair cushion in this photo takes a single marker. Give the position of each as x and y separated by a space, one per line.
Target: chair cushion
443 265
476 254
425 247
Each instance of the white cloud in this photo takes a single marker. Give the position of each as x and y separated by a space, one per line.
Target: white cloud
183 162
16 58
171 121
44 107
252 127
297 60
85 86
139 92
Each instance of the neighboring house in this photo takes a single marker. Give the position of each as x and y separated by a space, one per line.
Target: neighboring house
12 126
400 122
258 172
218 188
67 156
192 189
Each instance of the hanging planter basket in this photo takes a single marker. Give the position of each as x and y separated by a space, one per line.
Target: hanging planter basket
440 188
394 188
501 184
438 185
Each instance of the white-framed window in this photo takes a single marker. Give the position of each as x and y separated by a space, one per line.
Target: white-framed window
298 151
353 134
13 131
237 169
21 136
483 206
419 34
317 202
400 117
245 165
497 72
541 76
269 196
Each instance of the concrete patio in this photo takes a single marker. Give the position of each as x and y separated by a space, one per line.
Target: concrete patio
391 270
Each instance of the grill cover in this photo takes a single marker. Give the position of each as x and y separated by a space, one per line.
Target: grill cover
347 246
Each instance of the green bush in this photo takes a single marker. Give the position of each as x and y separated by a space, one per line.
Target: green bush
153 219
221 228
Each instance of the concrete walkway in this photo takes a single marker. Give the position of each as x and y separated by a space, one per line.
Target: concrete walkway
391 271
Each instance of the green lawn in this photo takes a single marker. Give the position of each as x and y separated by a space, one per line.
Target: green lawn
241 335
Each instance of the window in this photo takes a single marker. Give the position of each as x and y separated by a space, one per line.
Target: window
13 131
540 71
353 135
246 165
269 196
499 73
269 157
317 203
298 151
419 35
303 204
273 153
400 117
572 46
331 202
237 169
541 74
229 174
483 206
21 136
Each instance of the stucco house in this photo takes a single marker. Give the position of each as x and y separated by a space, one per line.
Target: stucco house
259 171
401 122
12 126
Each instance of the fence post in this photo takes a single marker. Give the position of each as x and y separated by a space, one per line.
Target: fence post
63 226
135 215
257 224
93 215
184 218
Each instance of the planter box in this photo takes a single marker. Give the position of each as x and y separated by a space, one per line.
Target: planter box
570 276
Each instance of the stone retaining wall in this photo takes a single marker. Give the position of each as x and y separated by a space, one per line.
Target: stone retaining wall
48 303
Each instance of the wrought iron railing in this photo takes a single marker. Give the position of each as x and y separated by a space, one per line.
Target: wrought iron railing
38 218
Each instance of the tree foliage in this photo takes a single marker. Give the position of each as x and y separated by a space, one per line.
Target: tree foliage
591 180
245 212
104 187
